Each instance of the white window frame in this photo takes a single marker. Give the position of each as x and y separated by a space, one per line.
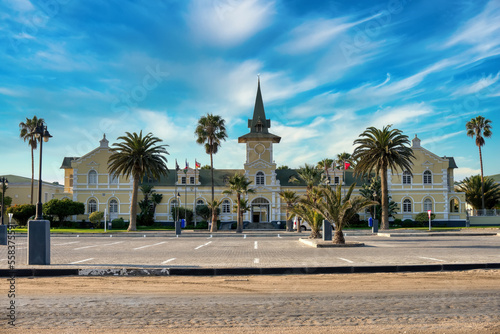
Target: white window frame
92 177
260 179
226 206
113 206
113 179
91 205
407 205
427 177
427 204
406 177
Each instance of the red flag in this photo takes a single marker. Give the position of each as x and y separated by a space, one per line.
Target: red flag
346 165
197 164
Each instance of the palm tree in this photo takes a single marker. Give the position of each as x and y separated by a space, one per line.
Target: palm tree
379 150
26 134
372 191
480 128
214 207
244 207
238 184
473 188
340 210
305 209
344 157
211 131
324 165
290 198
138 156
310 175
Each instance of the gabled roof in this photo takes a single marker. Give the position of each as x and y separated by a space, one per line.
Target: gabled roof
16 179
220 177
285 176
67 162
452 162
259 125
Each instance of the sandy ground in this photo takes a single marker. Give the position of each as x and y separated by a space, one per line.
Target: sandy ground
448 302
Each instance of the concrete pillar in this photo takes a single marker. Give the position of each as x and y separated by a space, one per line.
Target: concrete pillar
39 242
3 234
327 230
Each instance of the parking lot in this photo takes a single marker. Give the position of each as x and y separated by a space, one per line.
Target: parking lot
257 251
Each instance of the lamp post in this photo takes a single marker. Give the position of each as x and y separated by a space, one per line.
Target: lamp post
178 221
43 135
3 228
375 220
39 229
4 183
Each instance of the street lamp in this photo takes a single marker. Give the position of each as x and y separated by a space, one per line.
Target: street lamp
3 183
41 133
375 221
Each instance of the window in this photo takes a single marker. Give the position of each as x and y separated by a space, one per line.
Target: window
260 179
173 205
427 177
92 206
191 180
337 179
183 180
226 206
71 180
406 177
454 206
427 205
113 206
406 205
113 179
92 177
200 202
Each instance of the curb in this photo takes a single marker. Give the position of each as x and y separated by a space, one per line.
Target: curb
437 234
245 271
318 243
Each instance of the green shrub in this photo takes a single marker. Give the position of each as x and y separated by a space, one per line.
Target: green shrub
407 223
396 222
423 217
22 213
119 224
96 217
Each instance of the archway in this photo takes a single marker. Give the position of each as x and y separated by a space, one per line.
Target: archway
260 210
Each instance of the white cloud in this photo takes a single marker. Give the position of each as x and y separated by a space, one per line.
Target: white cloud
439 139
228 22
463 172
10 92
478 85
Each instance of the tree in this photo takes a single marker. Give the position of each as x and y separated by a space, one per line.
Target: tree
340 210
244 207
95 218
305 209
148 204
26 133
473 188
282 167
325 163
203 211
214 209
480 128
138 156
206 167
310 175
210 131
22 213
379 150
238 184
63 208
372 191
290 198
344 157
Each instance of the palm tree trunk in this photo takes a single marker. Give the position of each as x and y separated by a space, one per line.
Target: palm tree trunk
213 228
338 237
384 201
239 225
32 174
482 179
133 205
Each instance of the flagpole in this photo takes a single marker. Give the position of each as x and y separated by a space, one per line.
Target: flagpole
195 200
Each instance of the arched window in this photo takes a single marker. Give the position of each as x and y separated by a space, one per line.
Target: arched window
200 202
454 205
92 177
113 179
92 206
113 206
406 177
427 204
226 206
427 177
407 205
260 178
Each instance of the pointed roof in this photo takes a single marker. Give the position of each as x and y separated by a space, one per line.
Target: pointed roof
259 125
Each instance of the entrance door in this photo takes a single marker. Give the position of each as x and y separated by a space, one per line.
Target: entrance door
260 210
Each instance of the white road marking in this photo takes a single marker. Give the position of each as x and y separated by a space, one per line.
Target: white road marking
66 243
255 245
159 243
256 260
244 236
82 261
203 245
431 258
113 243
169 260
279 236
346 260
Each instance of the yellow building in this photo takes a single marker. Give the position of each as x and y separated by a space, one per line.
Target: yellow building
19 189
87 180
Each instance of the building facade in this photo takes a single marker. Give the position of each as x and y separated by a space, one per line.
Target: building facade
19 189
429 186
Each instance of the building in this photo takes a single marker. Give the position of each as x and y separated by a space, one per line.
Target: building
19 189
87 180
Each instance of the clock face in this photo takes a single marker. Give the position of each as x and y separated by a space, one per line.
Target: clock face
259 148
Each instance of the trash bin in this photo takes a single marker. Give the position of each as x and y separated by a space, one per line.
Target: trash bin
370 222
183 223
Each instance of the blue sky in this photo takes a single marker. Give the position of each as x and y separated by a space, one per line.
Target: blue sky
329 70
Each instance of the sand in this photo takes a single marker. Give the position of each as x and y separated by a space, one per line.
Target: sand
445 302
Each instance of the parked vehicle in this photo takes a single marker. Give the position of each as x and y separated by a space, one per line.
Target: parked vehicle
304 225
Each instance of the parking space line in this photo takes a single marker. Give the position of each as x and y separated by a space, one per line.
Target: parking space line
203 245
66 243
169 260
346 260
256 260
255 245
81 261
159 243
431 258
113 243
